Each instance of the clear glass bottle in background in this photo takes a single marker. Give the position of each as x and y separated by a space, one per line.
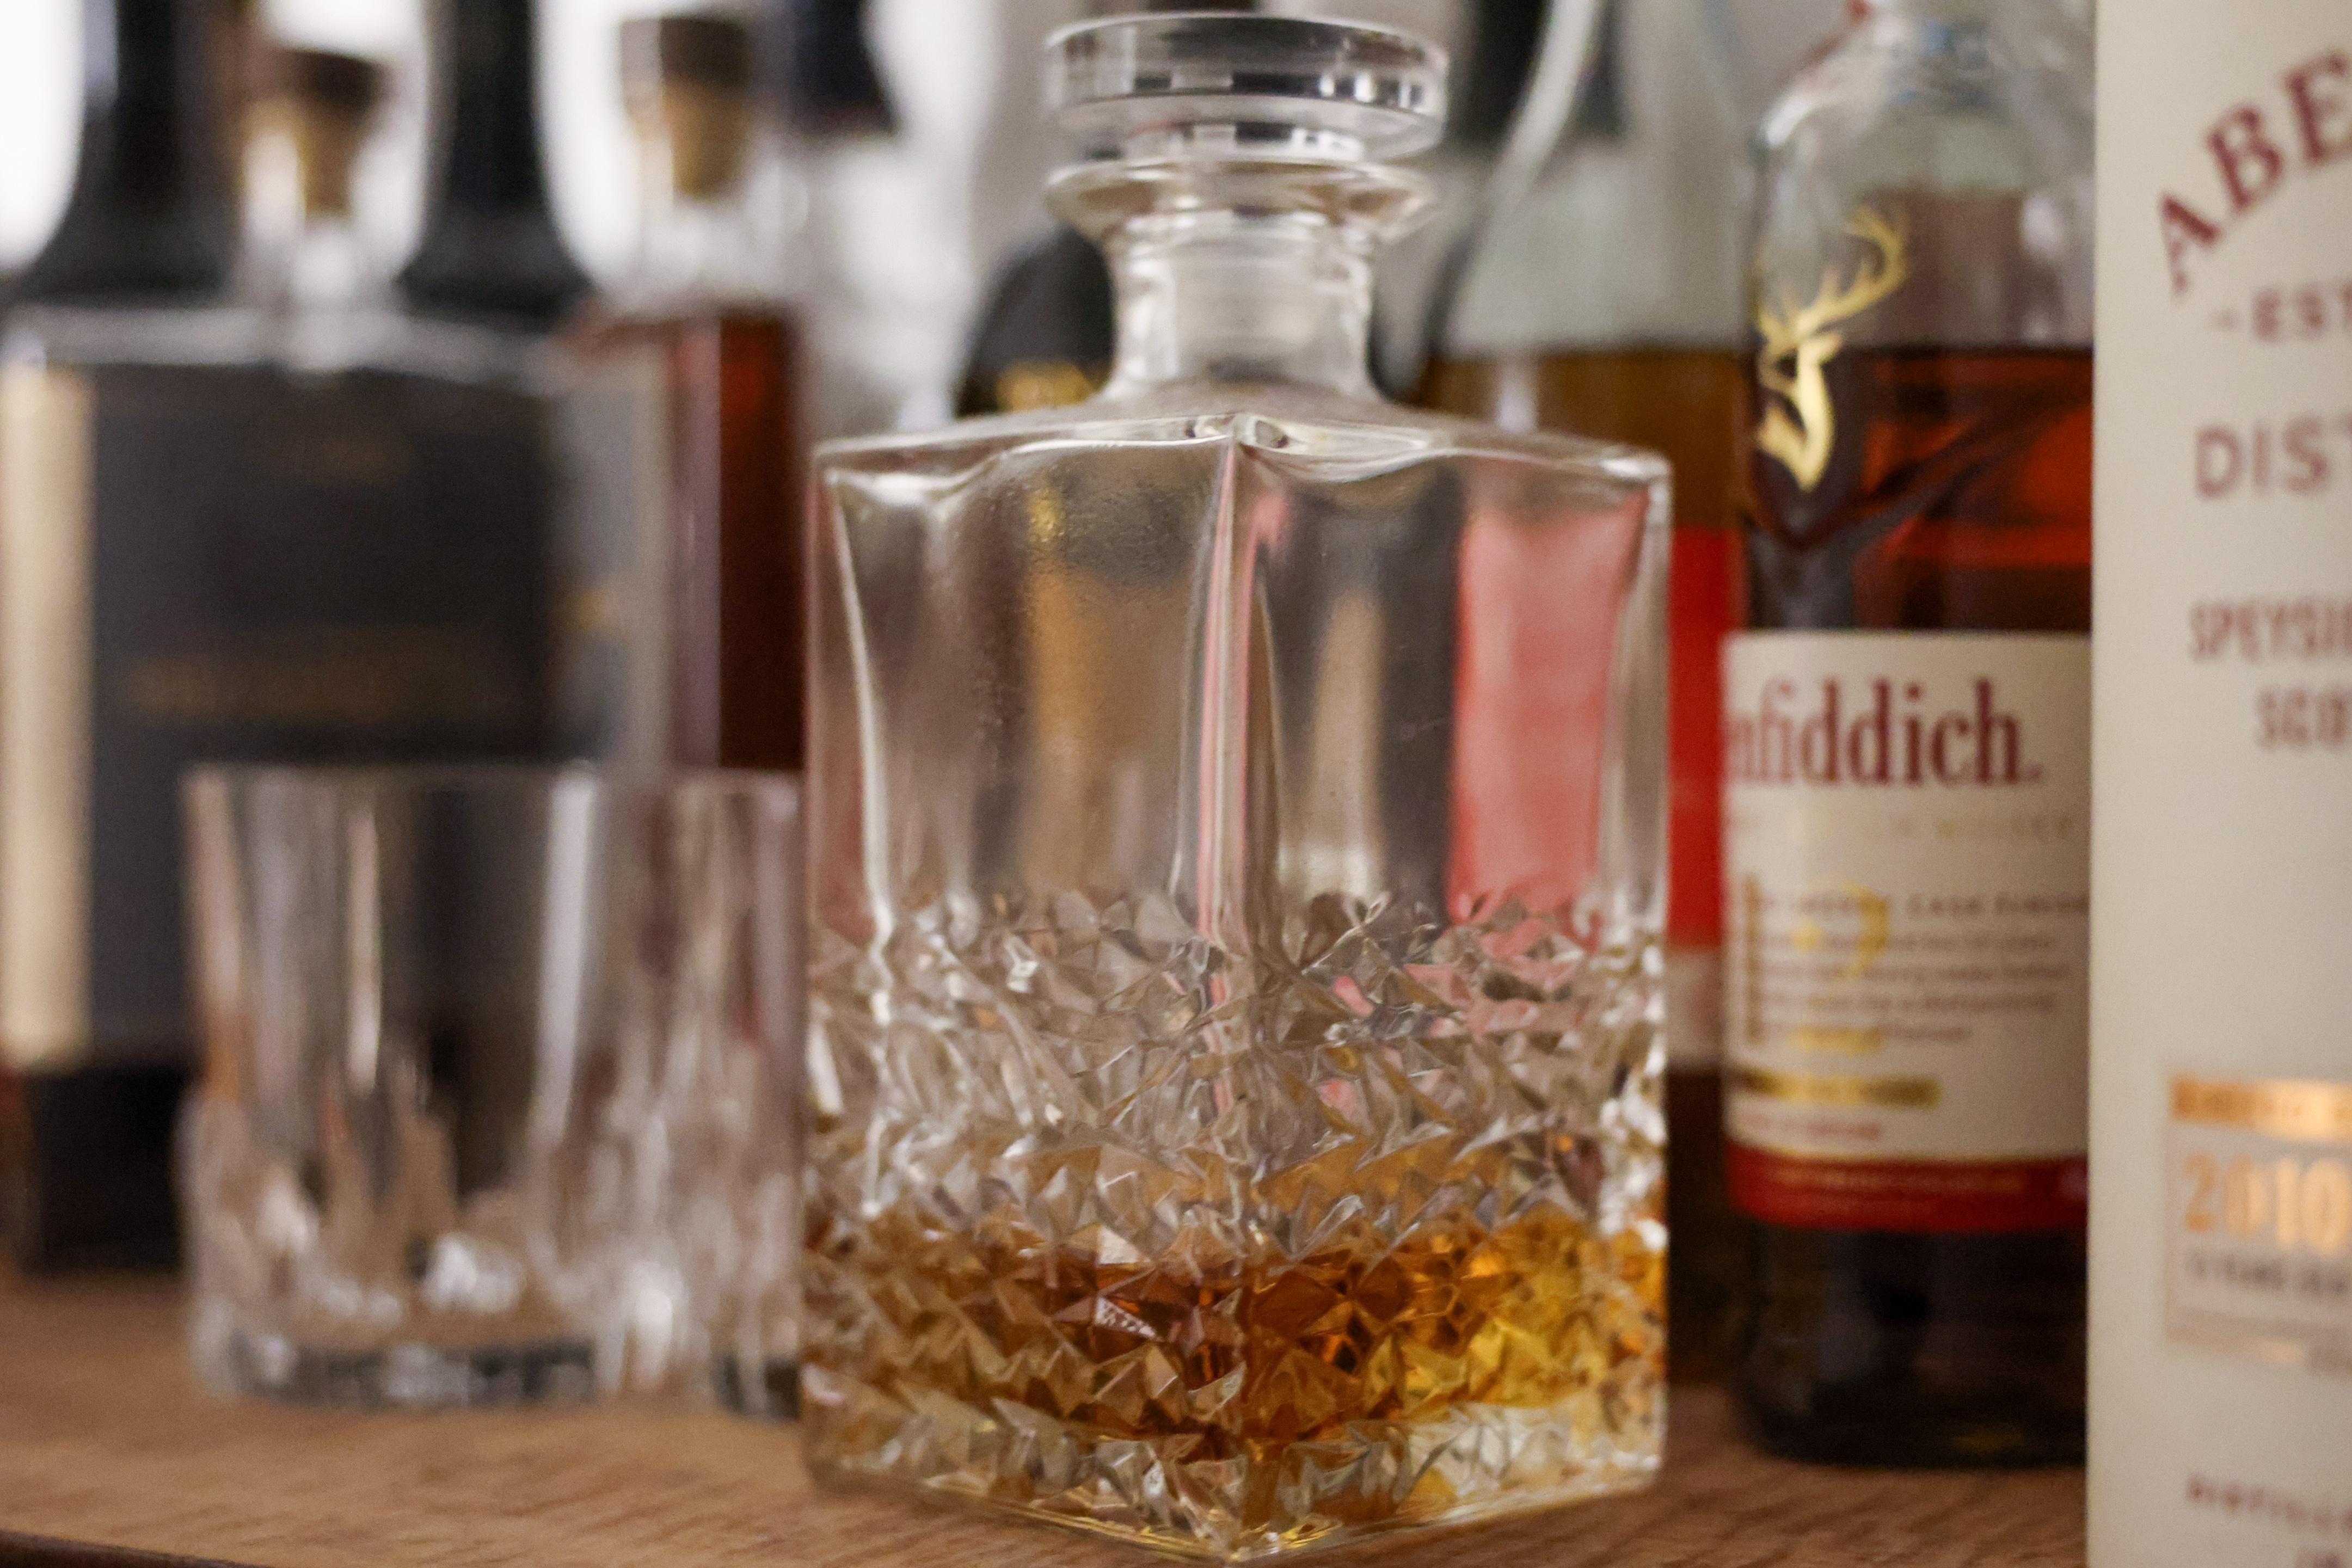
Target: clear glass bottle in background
489 246
1906 745
1638 339
290 524
150 230
708 295
1237 822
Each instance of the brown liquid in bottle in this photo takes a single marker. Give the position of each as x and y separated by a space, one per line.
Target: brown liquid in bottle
1684 403
1958 500
736 642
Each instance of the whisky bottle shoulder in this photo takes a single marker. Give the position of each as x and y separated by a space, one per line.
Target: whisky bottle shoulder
99 335
316 349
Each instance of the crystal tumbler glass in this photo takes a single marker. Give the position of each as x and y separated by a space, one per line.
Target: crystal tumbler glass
1236 822
498 1098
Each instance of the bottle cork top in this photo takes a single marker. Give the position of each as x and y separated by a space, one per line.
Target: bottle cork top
687 79
689 49
321 103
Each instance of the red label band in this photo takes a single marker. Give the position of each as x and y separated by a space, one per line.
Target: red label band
1925 1196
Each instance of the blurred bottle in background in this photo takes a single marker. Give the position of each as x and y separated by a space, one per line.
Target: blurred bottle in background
149 230
289 520
1907 728
887 287
1607 302
1045 335
708 295
1496 60
152 212
490 247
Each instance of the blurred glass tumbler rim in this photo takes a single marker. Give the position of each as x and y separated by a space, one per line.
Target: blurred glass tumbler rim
498 1104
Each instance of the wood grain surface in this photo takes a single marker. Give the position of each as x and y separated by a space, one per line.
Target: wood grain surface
106 1439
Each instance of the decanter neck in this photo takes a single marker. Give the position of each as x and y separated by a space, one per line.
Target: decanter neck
1225 297
1250 271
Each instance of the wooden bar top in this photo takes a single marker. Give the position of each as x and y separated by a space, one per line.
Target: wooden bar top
107 1440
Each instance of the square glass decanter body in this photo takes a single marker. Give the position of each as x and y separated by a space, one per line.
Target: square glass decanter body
1236 1041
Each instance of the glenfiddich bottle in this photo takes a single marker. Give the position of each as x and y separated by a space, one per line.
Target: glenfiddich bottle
2221 1070
286 522
1906 745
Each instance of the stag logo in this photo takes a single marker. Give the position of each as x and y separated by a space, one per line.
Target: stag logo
1799 426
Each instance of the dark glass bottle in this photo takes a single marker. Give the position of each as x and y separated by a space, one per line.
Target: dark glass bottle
1044 336
833 88
1907 733
490 247
283 521
152 213
85 1146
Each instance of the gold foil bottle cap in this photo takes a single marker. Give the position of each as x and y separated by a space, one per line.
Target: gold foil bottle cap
322 102
688 77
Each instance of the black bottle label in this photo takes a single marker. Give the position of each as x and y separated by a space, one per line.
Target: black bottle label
237 564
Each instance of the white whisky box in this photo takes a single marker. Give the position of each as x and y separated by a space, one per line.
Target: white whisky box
2222 883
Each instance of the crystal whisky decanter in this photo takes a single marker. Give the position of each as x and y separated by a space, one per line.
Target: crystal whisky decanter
1235 1042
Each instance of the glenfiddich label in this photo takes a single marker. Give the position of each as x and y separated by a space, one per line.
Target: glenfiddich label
2222 1250
1906 897
1877 733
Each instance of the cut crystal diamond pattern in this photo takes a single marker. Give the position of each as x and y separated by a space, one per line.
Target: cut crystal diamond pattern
1232 1254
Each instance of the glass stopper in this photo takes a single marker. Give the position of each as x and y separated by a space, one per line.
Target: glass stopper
1233 84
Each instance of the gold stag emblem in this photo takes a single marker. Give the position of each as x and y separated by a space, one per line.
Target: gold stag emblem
1799 340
